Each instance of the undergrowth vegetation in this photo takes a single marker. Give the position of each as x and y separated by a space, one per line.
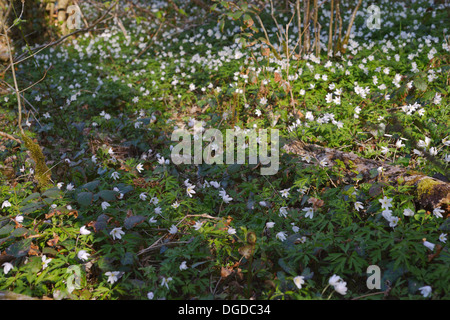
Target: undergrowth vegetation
121 221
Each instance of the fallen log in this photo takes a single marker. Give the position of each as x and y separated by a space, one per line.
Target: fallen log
430 192
8 295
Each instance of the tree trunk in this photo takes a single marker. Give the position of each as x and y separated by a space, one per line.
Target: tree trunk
330 29
349 28
306 28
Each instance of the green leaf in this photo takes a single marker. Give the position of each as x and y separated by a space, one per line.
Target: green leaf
413 286
19 232
102 222
373 173
420 84
132 221
445 226
74 279
18 21
91 186
85 198
127 258
307 273
391 274
31 207
50 251
6 229
34 264
48 201
107 195
199 264
286 267
53 193
234 168
19 249
32 196
123 188
235 15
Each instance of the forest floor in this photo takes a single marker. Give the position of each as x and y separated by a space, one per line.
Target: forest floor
121 220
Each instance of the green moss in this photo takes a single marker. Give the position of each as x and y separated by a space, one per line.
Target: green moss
425 187
42 172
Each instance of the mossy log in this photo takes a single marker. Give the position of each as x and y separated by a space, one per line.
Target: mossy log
430 192
42 172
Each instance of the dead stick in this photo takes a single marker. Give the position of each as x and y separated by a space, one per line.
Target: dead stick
6 135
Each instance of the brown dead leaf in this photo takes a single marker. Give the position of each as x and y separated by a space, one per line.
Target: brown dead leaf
49 215
317 203
266 52
436 254
246 250
277 77
129 213
298 114
239 274
74 213
54 241
34 250
225 272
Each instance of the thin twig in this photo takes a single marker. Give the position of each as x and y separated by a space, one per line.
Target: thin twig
31 86
16 87
6 135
